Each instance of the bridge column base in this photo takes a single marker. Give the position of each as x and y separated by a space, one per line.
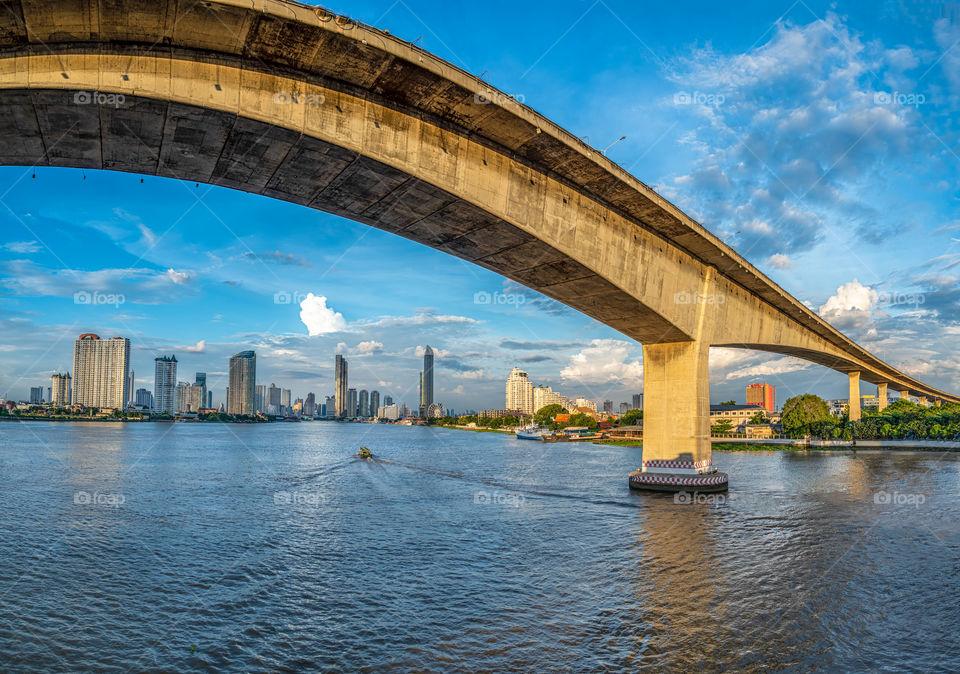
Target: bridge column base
674 482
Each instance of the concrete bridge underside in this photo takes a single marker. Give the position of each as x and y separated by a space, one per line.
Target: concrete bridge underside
298 104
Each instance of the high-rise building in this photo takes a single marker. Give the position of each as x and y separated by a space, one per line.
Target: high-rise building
310 406
762 395
387 400
273 400
243 379
608 406
391 412
209 402
100 369
143 398
36 395
297 408
340 386
637 401
60 389
589 404
374 402
165 384
200 379
260 398
364 403
545 395
285 401
519 392
352 402
426 381
624 408
131 378
329 407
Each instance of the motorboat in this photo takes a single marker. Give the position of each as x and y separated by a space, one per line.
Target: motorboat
530 433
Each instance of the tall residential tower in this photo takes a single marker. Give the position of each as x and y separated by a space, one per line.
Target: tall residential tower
242 383
165 385
100 369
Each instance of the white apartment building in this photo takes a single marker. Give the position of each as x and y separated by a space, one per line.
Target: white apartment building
100 369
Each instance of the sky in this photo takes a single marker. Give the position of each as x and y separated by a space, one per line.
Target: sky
819 139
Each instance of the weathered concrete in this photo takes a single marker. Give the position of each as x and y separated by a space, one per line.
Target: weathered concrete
853 401
882 402
295 103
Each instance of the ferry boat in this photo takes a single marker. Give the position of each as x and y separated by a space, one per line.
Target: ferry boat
530 433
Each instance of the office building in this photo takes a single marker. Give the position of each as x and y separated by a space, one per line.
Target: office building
351 402
387 400
36 395
100 370
426 381
60 389
329 407
143 398
189 397
519 392
310 406
364 403
164 384
242 383
131 378
374 402
260 398
273 399
637 401
608 406
762 395
285 401
389 412
624 408
340 386
200 379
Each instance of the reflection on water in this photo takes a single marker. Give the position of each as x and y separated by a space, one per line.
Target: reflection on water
187 547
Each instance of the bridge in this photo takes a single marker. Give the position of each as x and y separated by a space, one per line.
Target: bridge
296 103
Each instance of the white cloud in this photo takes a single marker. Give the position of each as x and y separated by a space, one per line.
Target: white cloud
199 347
369 347
605 360
318 317
458 389
780 261
469 374
771 367
178 277
850 308
439 353
22 246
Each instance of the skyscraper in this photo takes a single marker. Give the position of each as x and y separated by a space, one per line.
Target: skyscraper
100 369
374 402
426 381
329 407
387 400
260 398
143 398
200 379
243 377
519 392
131 378
340 386
310 405
273 400
60 389
36 395
165 385
637 401
285 401
762 395
351 402
608 406
364 403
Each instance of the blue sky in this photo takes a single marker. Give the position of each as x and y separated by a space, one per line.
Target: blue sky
819 139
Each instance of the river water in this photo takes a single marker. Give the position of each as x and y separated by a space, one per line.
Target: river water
208 547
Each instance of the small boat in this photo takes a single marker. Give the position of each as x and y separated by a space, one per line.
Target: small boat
530 433
365 453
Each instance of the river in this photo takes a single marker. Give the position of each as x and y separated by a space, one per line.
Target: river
209 547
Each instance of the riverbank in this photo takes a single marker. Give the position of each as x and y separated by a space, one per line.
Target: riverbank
841 445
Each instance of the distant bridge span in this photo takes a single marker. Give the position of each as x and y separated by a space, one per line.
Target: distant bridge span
296 103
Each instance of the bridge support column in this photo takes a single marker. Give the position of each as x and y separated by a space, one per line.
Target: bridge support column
881 397
904 395
937 402
922 400
853 404
676 420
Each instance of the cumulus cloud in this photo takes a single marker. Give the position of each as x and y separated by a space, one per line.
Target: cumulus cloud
780 261
469 374
178 277
850 308
21 247
771 367
604 361
371 346
318 317
199 347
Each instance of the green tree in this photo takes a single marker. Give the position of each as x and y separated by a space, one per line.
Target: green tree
545 415
759 418
729 402
631 417
581 419
803 414
722 426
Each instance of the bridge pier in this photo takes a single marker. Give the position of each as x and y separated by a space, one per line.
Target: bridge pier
904 395
853 403
676 420
922 400
882 397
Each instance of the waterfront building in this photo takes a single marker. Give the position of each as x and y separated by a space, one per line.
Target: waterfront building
260 398
351 402
164 384
499 414
624 408
60 389
389 412
297 407
310 406
330 407
340 386
544 395
36 395
273 405
100 369
242 383
285 401
374 402
588 404
519 392
608 406
762 395
364 403
387 400
143 398
131 378
637 401
189 397
200 379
